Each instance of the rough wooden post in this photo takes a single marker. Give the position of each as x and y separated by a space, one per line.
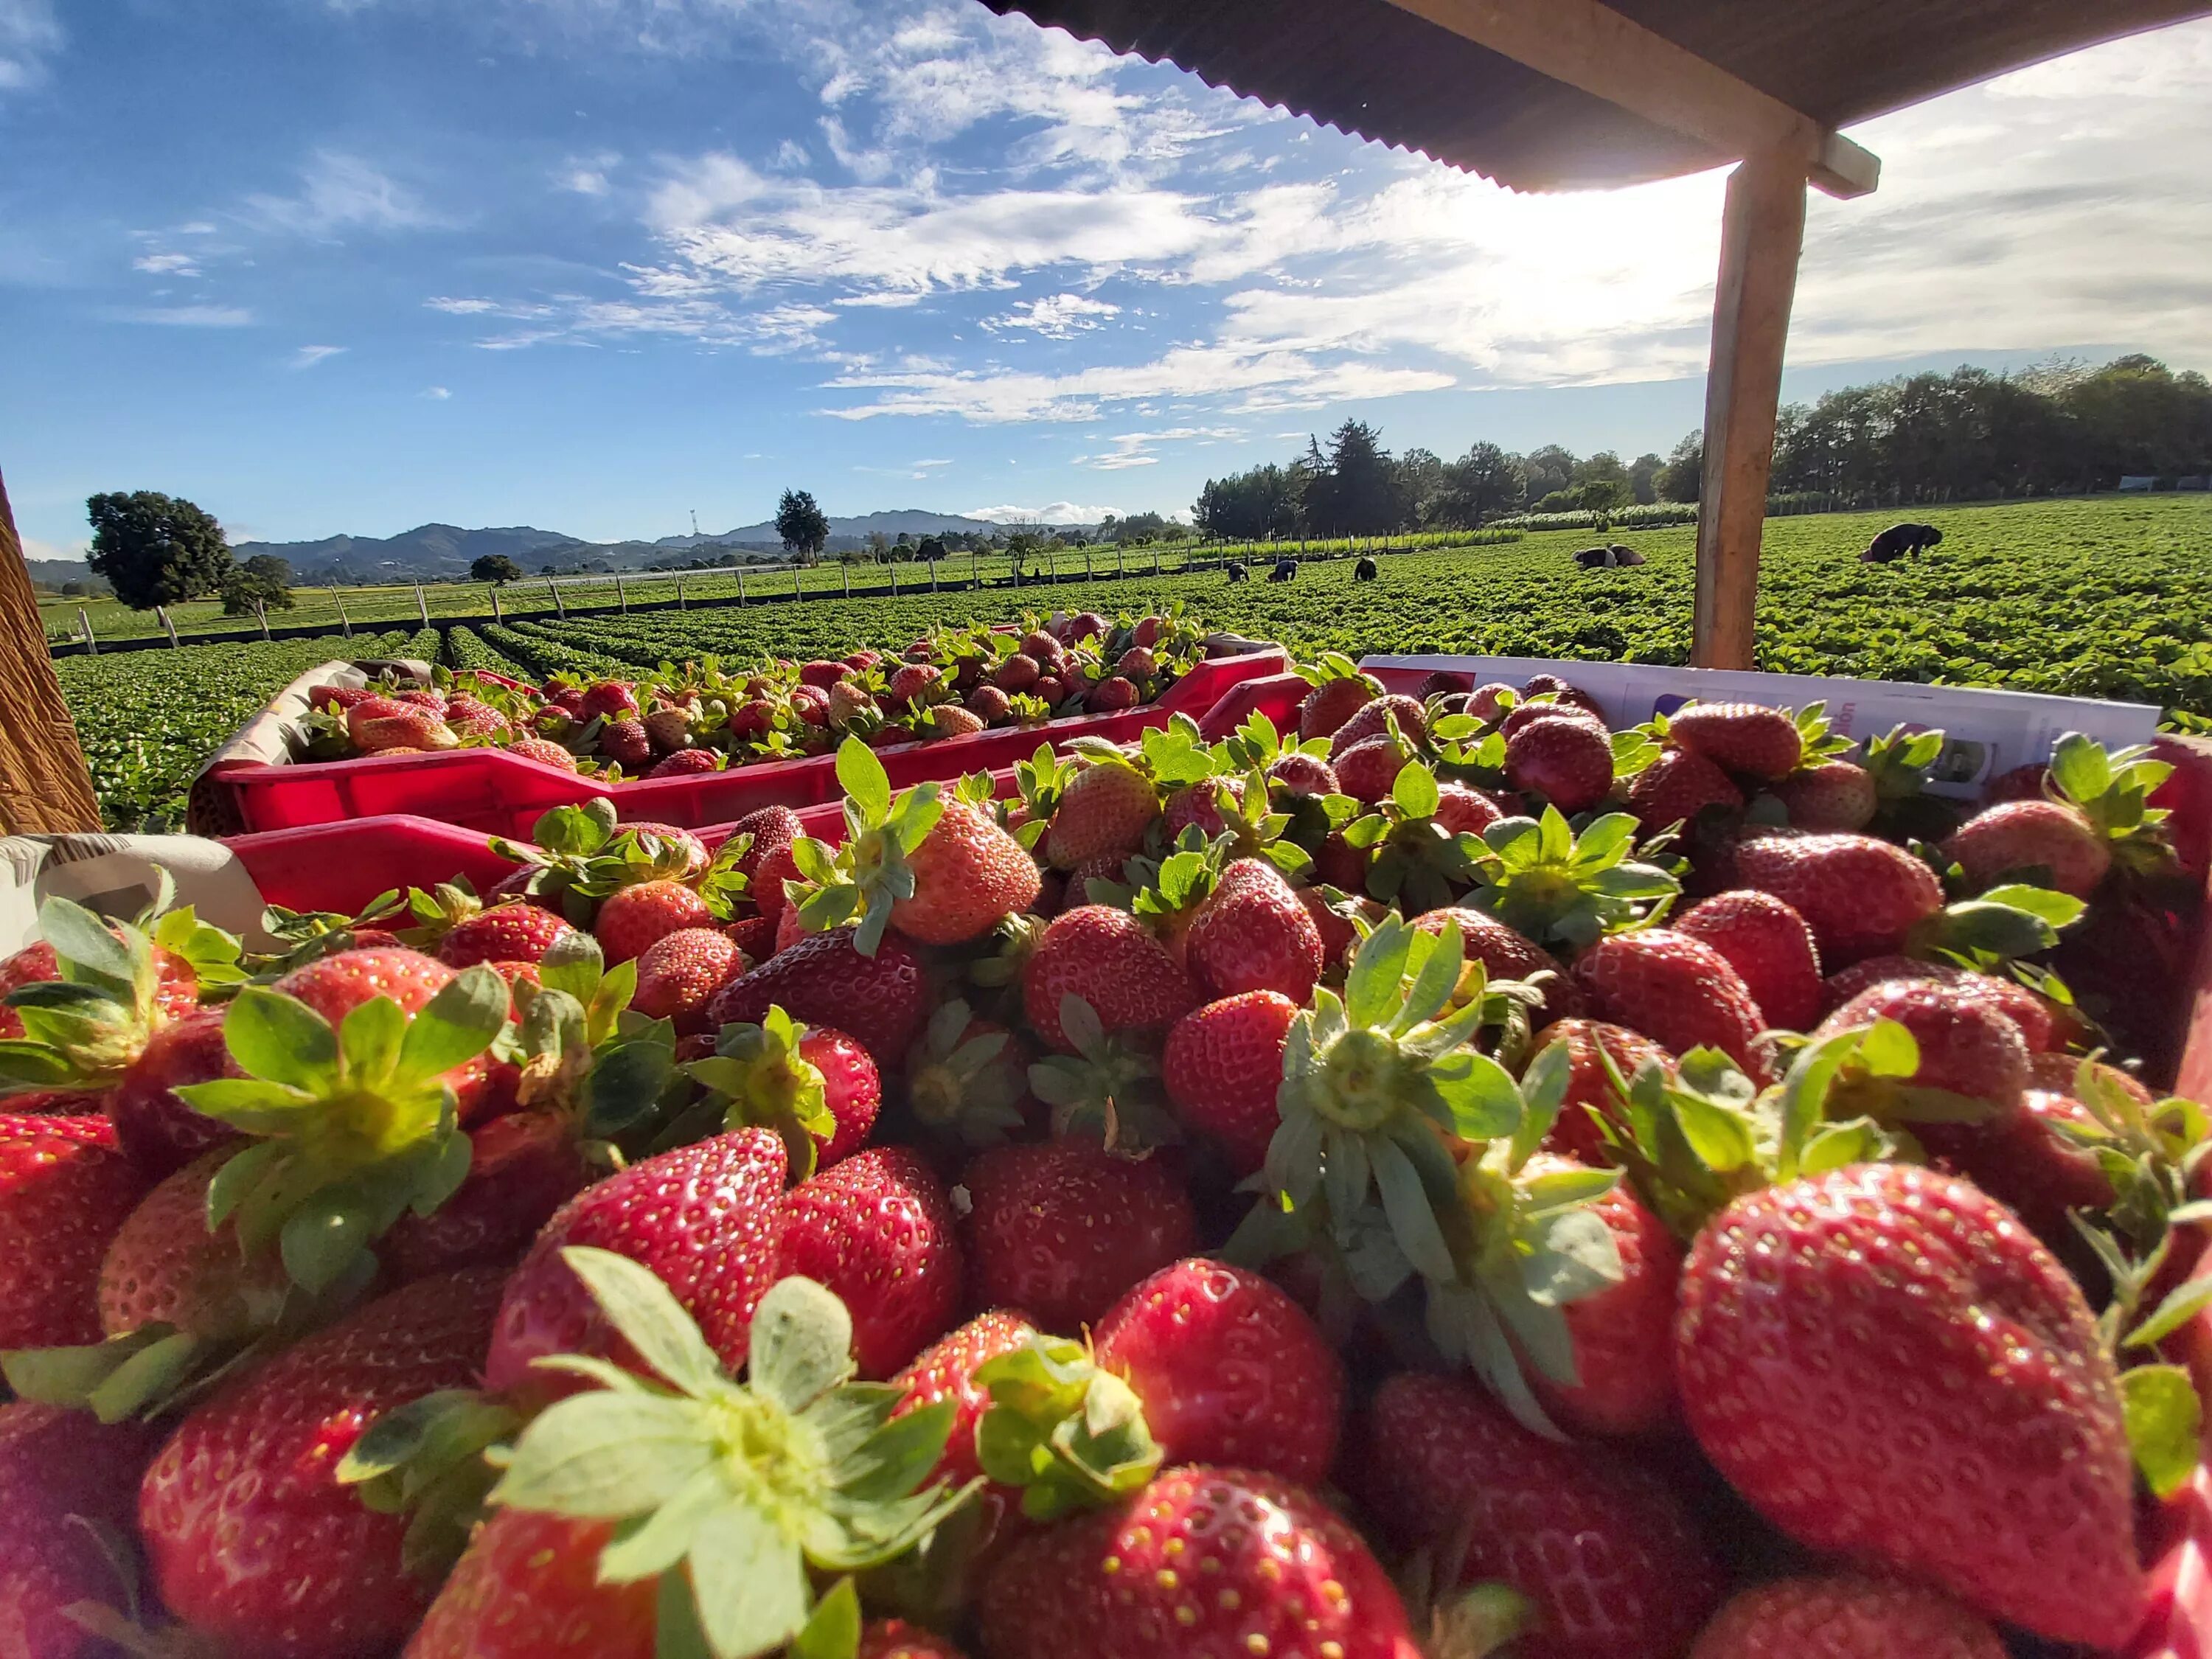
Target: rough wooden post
554 588
497 615
621 596
84 620
893 564
848 568
169 624
741 584
345 621
1762 231
679 590
933 575
44 786
421 606
261 613
1156 558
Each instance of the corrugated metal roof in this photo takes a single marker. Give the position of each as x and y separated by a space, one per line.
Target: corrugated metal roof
1369 68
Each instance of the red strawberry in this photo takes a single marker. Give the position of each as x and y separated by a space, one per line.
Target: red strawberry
1229 1369
1367 770
506 932
1845 1617
608 699
1860 896
1676 990
252 1542
1198 804
687 763
522 1168
1222 1064
881 1000
62 1474
32 964
1568 762
1063 1229
1573 1132
1373 719
988 704
1893 1370
704 1217
1442 682
1624 1335
624 743
1609 1554
1464 811
2028 782
1328 705
424 697
65 1191
544 753
680 854
1482 702
1105 808
1967 1045
823 674
2027 1162
334 986
770 1074
632 919
378 724
1770 946
1678 786
1740 736
678 973
914 681
1505 953
968 873
1018 674
1252 934
946 1371
894 1638
1829 794
1112 694
1303 775
529 1587
878 1230
770 827
1108 958
2034 1017
775 868
1203 1564
2028 835
165 1266
156 1129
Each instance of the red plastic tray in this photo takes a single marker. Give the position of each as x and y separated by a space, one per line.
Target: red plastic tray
502 793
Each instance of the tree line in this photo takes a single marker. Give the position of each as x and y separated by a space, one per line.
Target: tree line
2061 428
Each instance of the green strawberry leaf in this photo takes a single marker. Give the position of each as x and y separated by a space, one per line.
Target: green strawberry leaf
865 784
454 1027
802 1343
2165 1423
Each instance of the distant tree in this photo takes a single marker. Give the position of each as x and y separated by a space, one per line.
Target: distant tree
802 524
1420 488
1356 494
263 581
1604 467
1482 484
1559 501
879 546
154 548
495 567
1683 472
930 551
73 590
1601 494
1549 468
1643 474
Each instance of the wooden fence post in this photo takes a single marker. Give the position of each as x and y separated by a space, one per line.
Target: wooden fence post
847 569
893 564
44 789
261 611
741 584
679 590
84 620
554 588
345 622
169 624
497 615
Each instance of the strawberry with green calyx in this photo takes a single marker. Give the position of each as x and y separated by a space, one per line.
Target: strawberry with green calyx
729 1494
2094 813
1039 782
1340 691
1544 881
816 1088
936 865
1113 797
1066 1432
582 1051
967 1078
581 854
113 988
355 1122
2112 788
1415 859
1108 1091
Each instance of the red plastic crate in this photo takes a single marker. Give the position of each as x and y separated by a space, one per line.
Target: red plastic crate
498 793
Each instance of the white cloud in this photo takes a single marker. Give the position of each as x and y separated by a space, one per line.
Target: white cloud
35 548
196 227
790 156
29 36
308 355
1056 316
436 393
188 316
1127 449
339 192
167 265
588 176
461 306
1050 512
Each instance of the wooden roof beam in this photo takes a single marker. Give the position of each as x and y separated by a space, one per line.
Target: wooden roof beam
1593 47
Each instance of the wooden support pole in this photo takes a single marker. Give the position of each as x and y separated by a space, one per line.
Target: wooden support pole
679 590
554 588
496 615
92 645
421 606
345 621
741 584
621 596
261 614
44 789
1762 231
169 624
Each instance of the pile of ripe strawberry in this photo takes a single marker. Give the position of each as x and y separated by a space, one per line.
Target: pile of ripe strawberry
1449 1180
704 718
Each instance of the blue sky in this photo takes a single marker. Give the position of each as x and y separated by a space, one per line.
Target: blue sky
590 264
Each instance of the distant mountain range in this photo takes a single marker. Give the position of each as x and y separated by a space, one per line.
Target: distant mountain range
432 551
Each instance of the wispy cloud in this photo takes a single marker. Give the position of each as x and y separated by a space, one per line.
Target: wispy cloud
30 36
167 265
1127 449
308 355
186 316
436 393
35 548
339 192
1055 316
1050 512
588 176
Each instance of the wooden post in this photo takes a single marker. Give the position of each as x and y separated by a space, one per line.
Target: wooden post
84 620
44 786
621 596
1156 558
847 567
933 575
741 584
894 565
554 588
497 615
261 611
345 621
679 590
1762 231
421 606
169 624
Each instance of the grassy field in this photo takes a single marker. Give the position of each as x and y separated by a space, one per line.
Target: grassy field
2105 597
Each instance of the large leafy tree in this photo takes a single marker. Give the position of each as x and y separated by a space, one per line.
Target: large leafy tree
1481 484
154 548
802 524
1356 494
263 581
494 568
